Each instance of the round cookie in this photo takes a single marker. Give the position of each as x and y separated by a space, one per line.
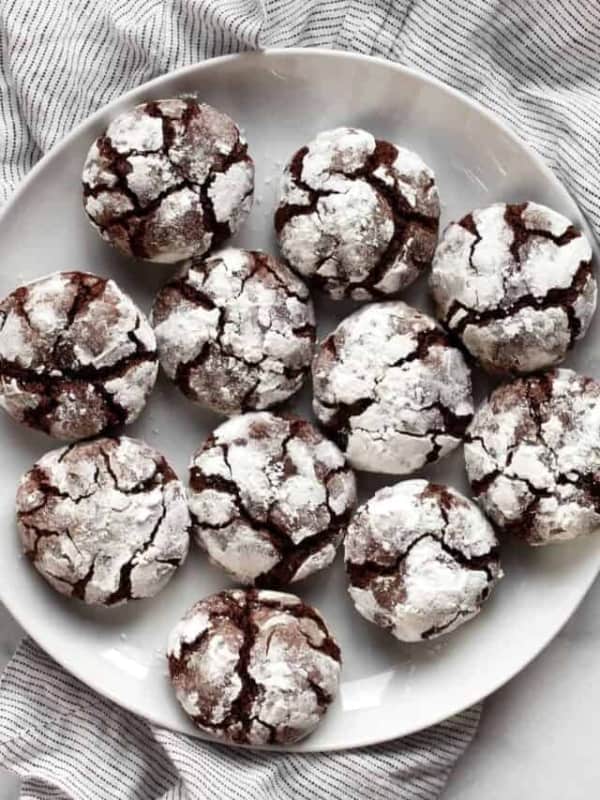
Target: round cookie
391 389
168 179
270 498
357 215
533 457
235 331
254 667
421 559
515 282
104 521
76 355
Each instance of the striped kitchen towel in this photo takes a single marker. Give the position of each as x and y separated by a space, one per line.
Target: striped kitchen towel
534 62
66 741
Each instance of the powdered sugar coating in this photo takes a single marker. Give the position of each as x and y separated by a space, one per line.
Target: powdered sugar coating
391 389
235 331
270 497
76 355
254 667
421 559
533 457
168 179
358 216
104 521
515 282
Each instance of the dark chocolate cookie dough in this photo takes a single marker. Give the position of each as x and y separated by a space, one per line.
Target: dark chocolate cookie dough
76 355
270 498
357 215
391 389
168 179
515 282
254 667
104 521
533 457
235 331
421 559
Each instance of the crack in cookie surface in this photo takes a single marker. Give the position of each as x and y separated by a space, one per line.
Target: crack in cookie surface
235 331
254 666
358 216
516 283
391 389
270 498
104 521
168 179
76 355
421 559
533 457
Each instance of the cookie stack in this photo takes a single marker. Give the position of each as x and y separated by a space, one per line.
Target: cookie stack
270 495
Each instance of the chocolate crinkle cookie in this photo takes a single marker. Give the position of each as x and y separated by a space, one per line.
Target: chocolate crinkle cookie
533 457
168 179
104 521
391 389
357 215
76 355
421 559
515 283
270 498
254 667
235 331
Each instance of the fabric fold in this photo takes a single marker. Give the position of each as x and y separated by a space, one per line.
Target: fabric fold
69 743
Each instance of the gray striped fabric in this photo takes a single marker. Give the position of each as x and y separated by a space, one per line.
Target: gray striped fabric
68 742
534 62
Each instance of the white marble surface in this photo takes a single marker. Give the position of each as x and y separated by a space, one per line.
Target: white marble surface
538 736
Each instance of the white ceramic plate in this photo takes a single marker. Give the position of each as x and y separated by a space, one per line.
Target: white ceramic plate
281 99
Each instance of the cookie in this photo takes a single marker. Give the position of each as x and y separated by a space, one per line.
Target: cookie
421 559
168 179
515 283
104 521
391 389
533 457
76 355
270 498
235 331
357 215
254 667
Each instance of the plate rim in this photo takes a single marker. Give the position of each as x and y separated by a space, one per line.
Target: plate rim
132 95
